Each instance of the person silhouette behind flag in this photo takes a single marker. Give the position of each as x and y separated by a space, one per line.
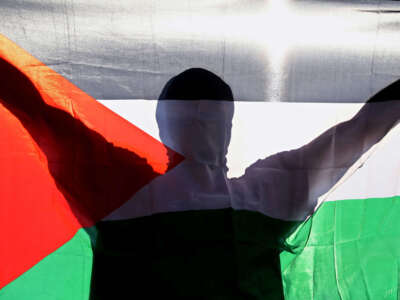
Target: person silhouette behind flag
195 233
192 244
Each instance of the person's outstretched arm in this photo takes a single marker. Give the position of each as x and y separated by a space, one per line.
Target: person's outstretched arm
94 175
287 185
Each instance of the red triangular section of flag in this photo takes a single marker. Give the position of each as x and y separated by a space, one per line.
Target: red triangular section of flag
66 160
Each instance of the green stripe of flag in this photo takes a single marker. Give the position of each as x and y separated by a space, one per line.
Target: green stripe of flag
63 275
351 250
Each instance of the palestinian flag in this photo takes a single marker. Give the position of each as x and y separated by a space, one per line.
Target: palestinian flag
94 207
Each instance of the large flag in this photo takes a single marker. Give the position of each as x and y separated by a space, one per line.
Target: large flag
94 207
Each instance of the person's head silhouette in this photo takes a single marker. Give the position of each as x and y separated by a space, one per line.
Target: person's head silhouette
194 115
